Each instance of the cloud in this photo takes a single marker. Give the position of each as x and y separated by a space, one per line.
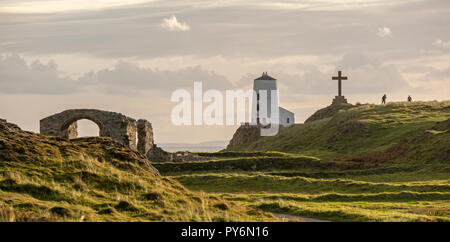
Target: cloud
368 75
355 61
16 76
384 32
231 37
172 24
127 78
436 75
237 29
441 44
365 76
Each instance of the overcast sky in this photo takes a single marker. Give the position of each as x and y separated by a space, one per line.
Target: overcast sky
129 56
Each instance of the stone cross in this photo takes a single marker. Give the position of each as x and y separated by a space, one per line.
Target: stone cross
339 78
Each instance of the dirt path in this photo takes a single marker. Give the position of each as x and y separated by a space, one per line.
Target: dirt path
287 216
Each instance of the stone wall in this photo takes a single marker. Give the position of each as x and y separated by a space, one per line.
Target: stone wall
71 132
114 125
145 136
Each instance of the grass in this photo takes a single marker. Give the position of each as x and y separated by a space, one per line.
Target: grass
243 164
410 196
95 179
381 127
368 163
363 211
105 193
268 183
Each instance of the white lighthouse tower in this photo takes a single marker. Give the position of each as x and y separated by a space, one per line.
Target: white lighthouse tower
263 87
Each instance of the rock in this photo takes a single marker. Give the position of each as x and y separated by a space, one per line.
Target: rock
328 111
244 134
8 126
145 136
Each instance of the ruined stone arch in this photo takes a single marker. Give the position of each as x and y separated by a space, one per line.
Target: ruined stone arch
117 126
69 129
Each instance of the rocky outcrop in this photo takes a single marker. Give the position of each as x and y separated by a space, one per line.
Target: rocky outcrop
145 136
8 126
244 134
328 111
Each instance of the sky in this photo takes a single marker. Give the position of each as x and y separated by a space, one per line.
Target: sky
129 56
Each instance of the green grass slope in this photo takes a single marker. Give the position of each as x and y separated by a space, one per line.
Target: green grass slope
367 163
368 128
317 188
96 179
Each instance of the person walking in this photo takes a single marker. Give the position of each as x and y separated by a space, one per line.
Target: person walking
409 98
383 99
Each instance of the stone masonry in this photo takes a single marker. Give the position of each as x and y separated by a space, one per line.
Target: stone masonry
114 125
145 136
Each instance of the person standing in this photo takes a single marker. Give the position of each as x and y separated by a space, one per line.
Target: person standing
383 99
409 98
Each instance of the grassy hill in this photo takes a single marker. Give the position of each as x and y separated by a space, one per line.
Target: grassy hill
366 163
365 128
96 179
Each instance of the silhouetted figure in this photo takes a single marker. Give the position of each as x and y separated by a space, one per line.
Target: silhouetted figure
383 99
409 98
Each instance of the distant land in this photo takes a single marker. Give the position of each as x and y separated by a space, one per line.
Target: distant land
208 146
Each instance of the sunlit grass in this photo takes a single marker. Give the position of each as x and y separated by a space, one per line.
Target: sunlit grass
396 169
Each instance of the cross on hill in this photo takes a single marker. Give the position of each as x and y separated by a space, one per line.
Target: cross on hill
339 98
339 78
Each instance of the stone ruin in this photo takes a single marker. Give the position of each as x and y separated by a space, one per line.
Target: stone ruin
116 126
